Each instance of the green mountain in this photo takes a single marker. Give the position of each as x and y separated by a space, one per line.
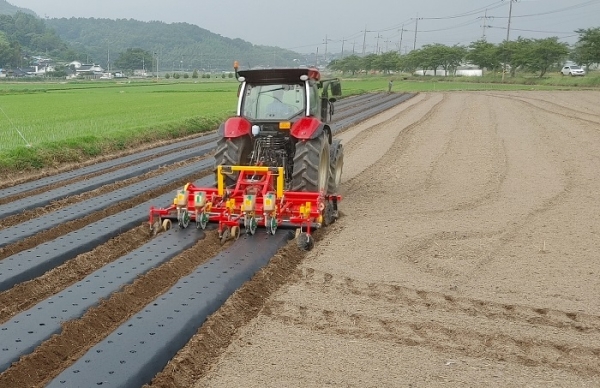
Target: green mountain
7 8
178 46
24 36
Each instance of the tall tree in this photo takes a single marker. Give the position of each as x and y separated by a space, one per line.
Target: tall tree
9 52
545 53
587 49
134 58
484 54
507 53
387 61
452 57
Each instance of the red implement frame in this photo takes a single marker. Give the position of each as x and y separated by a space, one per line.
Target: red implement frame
258 199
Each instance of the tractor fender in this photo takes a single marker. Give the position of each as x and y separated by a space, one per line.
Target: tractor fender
235 127
310 128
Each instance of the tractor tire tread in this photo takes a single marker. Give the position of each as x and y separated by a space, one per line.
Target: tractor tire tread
307 160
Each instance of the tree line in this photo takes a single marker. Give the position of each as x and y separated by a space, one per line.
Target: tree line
532 55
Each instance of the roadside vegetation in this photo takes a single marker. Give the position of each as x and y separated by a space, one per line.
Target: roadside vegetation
404 82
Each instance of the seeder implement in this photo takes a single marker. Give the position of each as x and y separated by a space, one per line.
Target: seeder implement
257 200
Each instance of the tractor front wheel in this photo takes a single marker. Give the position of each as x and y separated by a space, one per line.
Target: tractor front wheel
311 165
232 152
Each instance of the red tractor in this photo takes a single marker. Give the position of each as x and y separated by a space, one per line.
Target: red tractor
282 119
276 162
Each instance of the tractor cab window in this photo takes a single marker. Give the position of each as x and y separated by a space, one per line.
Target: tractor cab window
314 101
273 102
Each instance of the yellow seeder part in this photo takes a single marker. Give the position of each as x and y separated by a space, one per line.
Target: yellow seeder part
249 170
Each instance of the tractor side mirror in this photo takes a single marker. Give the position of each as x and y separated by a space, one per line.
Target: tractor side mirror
336 89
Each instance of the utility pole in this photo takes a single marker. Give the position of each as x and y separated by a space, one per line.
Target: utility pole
325 49
509 18
377 48
343 40
507 36
353 44
364 41
484 24
387 41
416 29
400 43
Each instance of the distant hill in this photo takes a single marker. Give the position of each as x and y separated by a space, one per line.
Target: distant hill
179 46
7 8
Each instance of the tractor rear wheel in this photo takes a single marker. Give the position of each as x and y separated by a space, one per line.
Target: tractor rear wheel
311 165
336 165
232 152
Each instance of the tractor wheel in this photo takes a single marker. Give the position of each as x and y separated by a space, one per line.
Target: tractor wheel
311 165
336 165
232 152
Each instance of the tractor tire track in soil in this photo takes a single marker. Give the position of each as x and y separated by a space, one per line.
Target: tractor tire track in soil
567 109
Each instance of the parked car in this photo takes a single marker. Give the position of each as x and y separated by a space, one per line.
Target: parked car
572 70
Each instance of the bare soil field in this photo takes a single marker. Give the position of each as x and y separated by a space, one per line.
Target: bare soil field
467 255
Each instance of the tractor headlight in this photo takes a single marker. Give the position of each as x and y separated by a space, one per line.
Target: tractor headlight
255 130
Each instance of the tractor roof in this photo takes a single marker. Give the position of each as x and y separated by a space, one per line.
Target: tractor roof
279 75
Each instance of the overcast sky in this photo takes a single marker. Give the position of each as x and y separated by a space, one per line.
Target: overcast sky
304 25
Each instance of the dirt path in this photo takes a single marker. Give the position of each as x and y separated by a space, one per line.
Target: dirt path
467 255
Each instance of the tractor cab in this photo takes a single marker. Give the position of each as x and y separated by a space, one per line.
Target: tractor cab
285 94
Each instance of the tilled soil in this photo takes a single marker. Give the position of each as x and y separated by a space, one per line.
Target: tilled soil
466 256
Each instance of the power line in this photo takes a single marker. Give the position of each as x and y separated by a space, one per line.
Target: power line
538 31
453 27
576 6
468 13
